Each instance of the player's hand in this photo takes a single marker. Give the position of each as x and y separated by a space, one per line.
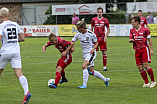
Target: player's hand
131 40
44 48
72 50
92 51
63 53
151 52
105 39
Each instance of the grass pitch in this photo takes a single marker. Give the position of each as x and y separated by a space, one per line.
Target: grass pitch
125 85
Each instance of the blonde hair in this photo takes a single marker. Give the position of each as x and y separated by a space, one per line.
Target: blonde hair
82 23
52 37
4 12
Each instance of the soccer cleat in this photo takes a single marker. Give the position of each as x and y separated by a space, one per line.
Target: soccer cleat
63 80
105 70
107 81
146 85
152 84
26 98
81 87
53 86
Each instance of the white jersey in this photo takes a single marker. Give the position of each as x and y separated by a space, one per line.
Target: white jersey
86 40
9 31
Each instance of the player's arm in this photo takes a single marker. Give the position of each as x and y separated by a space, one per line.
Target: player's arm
150 44
21 37
131 37
108 32
92 24
0 37
66 51
95 46
46 45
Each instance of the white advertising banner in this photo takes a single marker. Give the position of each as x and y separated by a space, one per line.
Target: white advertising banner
144 6
70 30
42 30
77 8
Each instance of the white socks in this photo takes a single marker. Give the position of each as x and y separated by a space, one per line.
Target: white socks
24 83
85 77
99 75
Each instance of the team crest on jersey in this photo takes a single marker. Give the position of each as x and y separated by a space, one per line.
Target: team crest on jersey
60 46
102 22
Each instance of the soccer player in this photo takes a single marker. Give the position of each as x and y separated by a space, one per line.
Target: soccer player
99 23
139 36
10 36
87 38
143 21
66 58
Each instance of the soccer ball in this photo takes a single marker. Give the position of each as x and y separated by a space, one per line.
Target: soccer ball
51 81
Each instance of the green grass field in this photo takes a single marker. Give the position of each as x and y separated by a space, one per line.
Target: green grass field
125 85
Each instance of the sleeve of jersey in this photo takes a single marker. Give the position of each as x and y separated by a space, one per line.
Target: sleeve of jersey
107 23
19 29
94 38
65 43
49 43
92 22
147 32
145 21
75 38
131 35
0 30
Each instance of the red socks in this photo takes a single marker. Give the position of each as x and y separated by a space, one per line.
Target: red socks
144 76
104 60
58 77
63 74
151 75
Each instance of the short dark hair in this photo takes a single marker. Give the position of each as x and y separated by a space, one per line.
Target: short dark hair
52 37
99 9
139 10
149 13
136 18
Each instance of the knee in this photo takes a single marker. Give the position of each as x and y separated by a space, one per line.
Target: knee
146 65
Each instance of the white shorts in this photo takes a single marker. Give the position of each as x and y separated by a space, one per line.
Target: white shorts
90 58
13 59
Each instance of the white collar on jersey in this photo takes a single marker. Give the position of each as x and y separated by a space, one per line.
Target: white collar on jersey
99 18
138 29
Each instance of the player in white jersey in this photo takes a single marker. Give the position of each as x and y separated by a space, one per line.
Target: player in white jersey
87 38
10 36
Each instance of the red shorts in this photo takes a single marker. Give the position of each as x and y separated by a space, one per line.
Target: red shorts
63 62
142 56
101 44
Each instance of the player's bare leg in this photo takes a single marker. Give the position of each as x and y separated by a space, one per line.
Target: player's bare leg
151 74
1 70
24 84
104 60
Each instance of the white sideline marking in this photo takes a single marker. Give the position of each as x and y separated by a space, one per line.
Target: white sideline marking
67 72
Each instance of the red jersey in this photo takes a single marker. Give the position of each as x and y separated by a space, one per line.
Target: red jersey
143 21
62 44
140 37
99 26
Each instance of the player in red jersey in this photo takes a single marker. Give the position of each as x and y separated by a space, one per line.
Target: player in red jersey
143 21
99 23
139 36
66 58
